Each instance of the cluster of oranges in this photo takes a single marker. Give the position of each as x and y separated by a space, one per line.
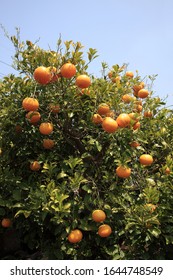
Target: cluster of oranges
104 115
110 123
104 230
125 172
43 76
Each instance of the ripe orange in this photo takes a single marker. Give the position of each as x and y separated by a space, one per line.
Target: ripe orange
35 166
146 159
68 70
48 143
127 98
138 108
97 119
148 114
83 81
6 223
129 74
98 215
123 171
103 109
136 125
42 75
33 116
143 93
30 104
75 236
109 125
54 108
138 87
104 230
46 128
123 120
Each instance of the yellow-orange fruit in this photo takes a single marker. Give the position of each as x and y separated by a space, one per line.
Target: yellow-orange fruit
98 215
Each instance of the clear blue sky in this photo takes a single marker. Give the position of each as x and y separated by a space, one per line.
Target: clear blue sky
137 32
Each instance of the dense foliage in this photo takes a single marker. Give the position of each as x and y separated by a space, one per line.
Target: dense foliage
77 174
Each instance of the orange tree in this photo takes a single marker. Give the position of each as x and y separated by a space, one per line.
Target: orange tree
72 144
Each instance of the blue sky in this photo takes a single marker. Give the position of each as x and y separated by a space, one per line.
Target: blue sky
137 32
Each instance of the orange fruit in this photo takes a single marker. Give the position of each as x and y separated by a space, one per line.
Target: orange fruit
83 81
104 230
148 114
6 223
48 143
138 108
127 98
35 166
42 75
30 104
138 87
68 70
109 125
103 109
75 236
54 108
46 128
33 116
146 159
123 171
97 119
98 215
129 74
143 93
136 125
123 120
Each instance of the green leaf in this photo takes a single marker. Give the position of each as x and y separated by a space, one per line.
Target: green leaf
24 212
61 175
17 195
155 232
2 211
